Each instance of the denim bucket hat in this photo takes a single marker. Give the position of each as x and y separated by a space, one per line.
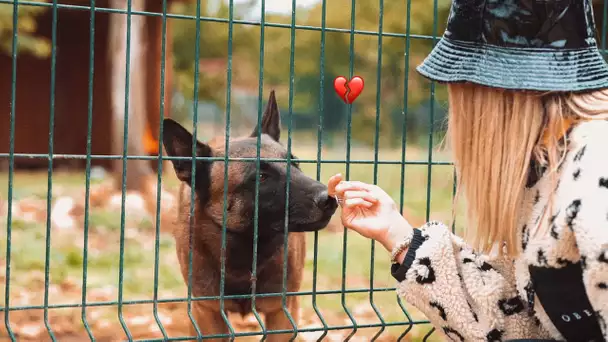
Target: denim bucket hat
543 45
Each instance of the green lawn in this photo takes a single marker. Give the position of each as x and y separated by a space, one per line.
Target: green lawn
28 244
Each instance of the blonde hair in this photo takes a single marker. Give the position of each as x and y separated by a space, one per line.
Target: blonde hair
494 135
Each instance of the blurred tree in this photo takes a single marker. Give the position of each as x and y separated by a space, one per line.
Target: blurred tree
365 61
212 40
336 59
27 42
213 44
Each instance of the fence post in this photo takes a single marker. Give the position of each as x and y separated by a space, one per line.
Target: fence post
139 171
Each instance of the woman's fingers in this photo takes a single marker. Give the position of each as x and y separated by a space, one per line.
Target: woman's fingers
360 194
364 186
332 183
349 186
356 202
369 192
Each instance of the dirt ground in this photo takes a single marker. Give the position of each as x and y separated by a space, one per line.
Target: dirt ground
66 323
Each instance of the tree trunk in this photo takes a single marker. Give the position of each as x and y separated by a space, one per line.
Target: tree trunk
138 171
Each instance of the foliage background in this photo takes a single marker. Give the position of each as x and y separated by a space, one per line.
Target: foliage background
28 41
306 105
425 20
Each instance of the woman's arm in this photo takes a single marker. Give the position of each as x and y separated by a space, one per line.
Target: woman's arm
464 294
469 296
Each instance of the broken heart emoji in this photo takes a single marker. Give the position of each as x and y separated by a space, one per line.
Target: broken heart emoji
348 91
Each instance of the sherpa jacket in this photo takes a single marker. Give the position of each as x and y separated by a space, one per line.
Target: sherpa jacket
475 297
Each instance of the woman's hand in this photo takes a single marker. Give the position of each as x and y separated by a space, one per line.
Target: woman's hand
369 211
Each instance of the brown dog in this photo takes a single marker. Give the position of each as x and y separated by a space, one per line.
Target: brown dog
309 209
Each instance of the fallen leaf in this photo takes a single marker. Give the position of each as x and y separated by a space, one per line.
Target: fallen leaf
30 330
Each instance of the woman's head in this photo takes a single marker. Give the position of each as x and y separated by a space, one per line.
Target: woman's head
494 135
512 81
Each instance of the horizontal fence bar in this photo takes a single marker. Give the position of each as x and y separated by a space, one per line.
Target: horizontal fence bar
284 160
183 299
235 21
271 332
218 20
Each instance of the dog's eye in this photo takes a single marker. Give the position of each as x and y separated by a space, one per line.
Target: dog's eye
264 171
263 176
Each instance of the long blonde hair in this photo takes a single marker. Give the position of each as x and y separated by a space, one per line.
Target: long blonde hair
494 135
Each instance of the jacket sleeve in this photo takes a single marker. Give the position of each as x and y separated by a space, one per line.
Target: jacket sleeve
585 199
467 295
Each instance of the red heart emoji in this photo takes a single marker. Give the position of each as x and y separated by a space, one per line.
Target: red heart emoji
348 92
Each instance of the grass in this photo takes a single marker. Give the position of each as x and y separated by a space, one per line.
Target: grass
28 245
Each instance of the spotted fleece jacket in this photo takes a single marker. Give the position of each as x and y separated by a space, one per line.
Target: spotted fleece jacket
475 297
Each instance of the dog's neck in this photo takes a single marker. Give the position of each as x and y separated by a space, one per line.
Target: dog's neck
239 246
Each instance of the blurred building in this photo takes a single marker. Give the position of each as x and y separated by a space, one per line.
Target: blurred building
71 96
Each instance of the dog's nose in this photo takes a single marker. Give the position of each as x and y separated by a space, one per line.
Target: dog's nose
326 202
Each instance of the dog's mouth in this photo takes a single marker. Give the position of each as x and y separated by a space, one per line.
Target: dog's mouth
311 226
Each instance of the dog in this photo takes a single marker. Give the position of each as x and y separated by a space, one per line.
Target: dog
309 209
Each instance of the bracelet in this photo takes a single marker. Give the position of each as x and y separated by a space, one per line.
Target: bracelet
401 247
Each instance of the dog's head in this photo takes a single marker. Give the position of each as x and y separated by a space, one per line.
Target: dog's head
308 208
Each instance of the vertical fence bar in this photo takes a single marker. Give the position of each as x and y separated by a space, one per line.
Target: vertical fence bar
292 49
49 193
376 151
428 335
431 124
257 172
226 156
454 189
404 140
197 47
163 51
87 196
604 27
431 131
319 156
11 171
351 55
121 261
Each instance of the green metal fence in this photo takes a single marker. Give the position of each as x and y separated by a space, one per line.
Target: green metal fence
405 325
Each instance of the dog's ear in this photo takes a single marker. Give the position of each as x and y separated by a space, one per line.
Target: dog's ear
178 143
271 121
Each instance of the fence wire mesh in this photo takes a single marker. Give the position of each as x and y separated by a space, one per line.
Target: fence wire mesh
339 300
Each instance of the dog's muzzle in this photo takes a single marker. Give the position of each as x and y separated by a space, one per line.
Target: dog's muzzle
326 203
